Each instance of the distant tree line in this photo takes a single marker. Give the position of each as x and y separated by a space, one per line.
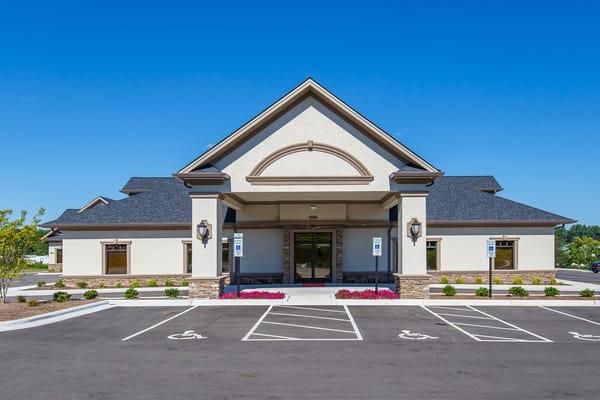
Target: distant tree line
577 246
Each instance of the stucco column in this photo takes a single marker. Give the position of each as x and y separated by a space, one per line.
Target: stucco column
207 278
412 280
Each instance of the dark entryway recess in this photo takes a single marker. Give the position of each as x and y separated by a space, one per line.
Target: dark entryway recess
313 256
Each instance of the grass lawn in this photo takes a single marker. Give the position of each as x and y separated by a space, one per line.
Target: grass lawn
36 267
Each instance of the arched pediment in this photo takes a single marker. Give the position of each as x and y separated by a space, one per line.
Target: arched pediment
310 163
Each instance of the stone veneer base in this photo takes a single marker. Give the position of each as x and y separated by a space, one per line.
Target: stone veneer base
211 288
506 276
412 286
110 281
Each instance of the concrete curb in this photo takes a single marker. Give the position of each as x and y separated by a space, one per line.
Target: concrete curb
192 302
53 316
411 302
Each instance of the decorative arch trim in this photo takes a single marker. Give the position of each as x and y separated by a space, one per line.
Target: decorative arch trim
363 176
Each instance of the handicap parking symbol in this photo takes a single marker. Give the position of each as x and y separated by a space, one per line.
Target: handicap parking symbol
187 335
408 335
586 337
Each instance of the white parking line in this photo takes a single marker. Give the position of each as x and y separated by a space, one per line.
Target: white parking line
449 308
312 308
571 315
251 331
310 316
159 324
486 326
488 338
463 316
358 334
543 339
308 327
252 335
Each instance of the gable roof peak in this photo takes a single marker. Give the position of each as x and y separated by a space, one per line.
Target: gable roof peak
308 87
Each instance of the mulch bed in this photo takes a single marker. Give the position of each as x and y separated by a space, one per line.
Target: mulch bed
10 311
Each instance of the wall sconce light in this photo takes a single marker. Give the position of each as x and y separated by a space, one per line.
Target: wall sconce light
313 207
204 230
414 229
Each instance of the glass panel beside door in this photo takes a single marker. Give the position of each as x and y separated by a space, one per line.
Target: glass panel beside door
313 256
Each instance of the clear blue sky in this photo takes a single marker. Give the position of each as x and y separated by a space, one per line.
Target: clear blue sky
92 93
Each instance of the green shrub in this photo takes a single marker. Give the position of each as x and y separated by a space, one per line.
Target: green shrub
518 280
449 290
482 292
82 284
152 283
131 293
101 284
41 284
21 299
553 281
169 282
551 291
459 281
587 293
135 283
518 291
171 292
536 281
33 303
60 284
90 294
118 284
444 280
498 280
61 296
478 280
185 282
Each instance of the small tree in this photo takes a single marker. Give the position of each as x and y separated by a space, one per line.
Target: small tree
584 250
16 239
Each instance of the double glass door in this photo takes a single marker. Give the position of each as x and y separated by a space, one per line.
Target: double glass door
313 256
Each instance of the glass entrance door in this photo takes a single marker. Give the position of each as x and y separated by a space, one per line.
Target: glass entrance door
313 256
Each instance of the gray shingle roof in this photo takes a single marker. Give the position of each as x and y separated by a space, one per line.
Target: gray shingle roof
467 198
165 200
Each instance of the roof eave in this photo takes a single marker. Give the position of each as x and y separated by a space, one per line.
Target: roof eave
490 223
208 178
425 177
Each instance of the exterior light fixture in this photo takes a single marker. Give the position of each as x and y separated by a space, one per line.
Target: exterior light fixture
204 230
313 207
414 230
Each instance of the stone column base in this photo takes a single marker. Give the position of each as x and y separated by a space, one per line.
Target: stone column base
412 286
210 288
54 267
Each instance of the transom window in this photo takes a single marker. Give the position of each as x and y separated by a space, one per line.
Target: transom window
505 254
116 258
432 254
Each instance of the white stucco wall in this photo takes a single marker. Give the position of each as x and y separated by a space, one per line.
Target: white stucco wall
309 120
263 251
152 252
357 254
464 249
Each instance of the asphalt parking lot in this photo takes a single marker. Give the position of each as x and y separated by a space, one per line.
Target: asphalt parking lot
332 352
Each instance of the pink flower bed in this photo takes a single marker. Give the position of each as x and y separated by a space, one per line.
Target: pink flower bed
254 294
367 294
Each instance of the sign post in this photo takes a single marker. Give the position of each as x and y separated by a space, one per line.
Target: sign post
377 253
491 253
238 251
